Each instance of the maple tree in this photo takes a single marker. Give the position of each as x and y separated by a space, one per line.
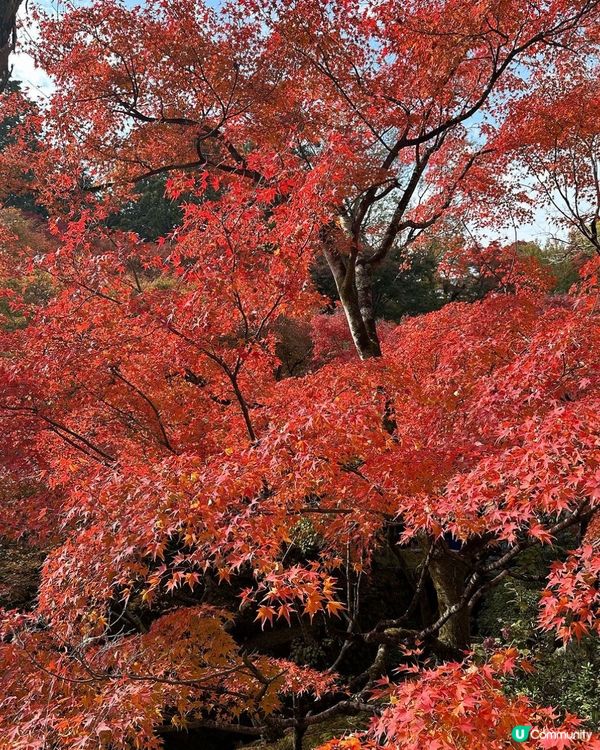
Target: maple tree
552 138
158 456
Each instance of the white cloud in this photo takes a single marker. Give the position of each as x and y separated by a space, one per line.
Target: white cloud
36 82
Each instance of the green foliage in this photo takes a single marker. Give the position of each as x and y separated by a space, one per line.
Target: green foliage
407 291
152 214
566 258
7 124
23 200
565 677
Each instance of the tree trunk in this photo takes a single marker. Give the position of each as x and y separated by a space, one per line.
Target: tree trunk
364 290
366 341
8 15
448 574
354 285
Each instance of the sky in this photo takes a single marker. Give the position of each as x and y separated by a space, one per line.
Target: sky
39 86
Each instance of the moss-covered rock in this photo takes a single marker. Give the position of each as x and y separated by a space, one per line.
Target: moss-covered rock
318 734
